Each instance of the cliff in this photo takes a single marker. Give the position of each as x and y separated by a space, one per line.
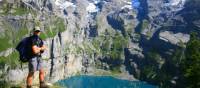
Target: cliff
145 40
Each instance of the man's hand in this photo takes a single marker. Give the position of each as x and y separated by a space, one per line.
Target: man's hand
37 50
43 48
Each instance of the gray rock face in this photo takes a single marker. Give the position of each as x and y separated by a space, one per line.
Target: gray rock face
158 7
156 29
16 76
174 38
119 20
160 13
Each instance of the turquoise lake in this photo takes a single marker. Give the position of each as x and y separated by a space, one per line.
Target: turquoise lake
101 82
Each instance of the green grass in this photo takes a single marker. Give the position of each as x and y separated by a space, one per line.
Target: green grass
10 40
20 34
48 33
110 45
149 34
105 47
16 11
129 29
115 70
5 40
149 72
4 84
60 24
4 44
119 43
57 86
53 29
145 24
12 60
20 11
88 48
78 49
12 36
96 43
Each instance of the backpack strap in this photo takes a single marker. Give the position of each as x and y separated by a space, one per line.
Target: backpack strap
21 66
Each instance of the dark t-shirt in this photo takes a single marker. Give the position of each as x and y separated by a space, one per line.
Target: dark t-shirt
36 40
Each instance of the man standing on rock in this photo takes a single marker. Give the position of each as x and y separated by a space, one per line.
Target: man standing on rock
35 63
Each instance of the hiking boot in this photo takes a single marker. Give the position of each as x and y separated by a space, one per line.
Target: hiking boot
43 85
28 86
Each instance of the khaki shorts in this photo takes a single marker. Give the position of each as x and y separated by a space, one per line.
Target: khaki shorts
35 64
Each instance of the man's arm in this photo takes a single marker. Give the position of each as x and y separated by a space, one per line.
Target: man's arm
37 50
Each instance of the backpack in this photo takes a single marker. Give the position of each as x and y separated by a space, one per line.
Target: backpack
24 49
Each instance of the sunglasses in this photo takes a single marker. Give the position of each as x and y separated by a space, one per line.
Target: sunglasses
36 31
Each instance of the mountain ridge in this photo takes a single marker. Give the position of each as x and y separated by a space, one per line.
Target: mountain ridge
85 36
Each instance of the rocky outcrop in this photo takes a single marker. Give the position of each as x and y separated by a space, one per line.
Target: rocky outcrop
174 38
164 30
6 52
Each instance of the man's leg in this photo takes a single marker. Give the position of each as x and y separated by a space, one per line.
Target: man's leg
41 75
29 79
32 65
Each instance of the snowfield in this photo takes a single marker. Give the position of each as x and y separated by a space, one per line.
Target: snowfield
177 2
91 8
127 6
64 5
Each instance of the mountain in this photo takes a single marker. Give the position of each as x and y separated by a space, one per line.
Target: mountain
139 39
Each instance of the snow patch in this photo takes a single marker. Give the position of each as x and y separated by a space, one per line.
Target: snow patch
177 2
91 8
96 1
64 4
128 2
127 6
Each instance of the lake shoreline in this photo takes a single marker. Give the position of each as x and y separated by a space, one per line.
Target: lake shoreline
100 72
122 75
91 81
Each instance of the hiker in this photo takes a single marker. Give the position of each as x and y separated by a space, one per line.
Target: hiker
35 63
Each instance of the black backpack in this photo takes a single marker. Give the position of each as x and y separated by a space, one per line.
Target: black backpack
24 49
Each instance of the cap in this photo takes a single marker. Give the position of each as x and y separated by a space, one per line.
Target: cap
37 29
